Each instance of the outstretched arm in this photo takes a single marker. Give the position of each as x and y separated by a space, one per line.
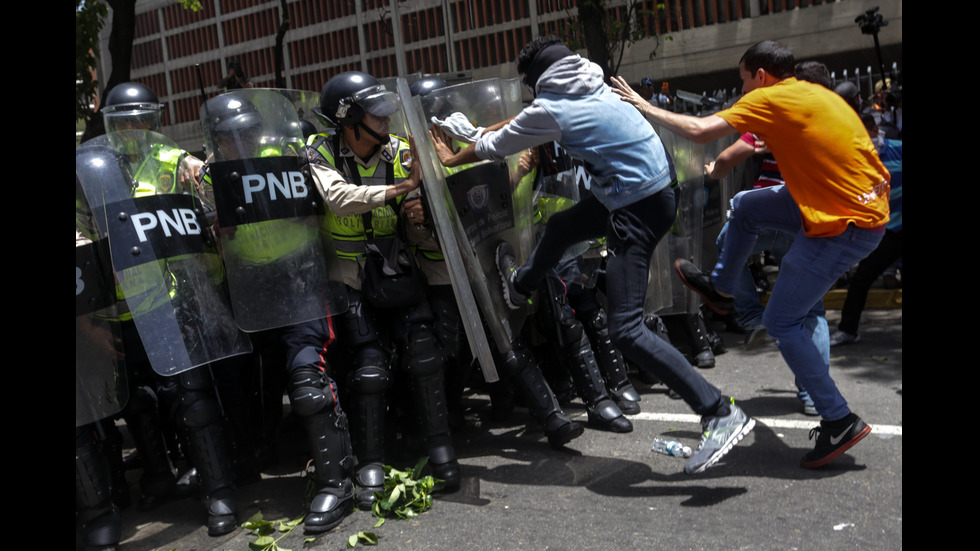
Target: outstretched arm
729 159
697 129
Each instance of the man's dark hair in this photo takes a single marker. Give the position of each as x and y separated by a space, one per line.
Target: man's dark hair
531 50
868 120
776 59
815 72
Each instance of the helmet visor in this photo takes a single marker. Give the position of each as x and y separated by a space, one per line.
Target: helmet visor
131 119
377 100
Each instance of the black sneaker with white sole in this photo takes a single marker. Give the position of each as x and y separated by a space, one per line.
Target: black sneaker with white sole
700 282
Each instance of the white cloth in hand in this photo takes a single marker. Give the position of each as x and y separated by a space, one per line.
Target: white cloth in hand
458 127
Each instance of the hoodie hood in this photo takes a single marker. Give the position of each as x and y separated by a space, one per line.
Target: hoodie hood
571 75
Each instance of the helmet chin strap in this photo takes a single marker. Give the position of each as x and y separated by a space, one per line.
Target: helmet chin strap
375 135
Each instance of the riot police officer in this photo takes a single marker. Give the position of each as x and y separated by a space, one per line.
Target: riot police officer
363 173
135 106
274 261
421 234
160 169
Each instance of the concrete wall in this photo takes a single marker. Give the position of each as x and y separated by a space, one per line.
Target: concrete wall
694 60
707 57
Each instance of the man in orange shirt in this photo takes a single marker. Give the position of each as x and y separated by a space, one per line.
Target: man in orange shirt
835 201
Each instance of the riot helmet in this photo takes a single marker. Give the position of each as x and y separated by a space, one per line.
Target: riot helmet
132 106
436 106
102 177
235 125
424 86
347 97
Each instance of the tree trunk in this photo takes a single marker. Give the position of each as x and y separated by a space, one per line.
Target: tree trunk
121 52
592 15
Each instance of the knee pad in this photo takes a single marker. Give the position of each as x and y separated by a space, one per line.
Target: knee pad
371 355
197 410
311 391
516 361
371 379
423 355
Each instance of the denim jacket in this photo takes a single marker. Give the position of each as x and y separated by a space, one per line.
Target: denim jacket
575 108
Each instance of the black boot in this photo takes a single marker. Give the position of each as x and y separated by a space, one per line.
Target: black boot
210 457
112 450
442 460
606 415
332 457
603 413
611 364
539 398
702 355
561 430
369 479
158 481
97 519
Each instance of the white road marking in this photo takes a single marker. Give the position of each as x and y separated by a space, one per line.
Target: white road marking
876 428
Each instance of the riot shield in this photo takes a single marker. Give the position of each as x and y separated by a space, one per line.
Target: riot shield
665 293
163 255
485 204
701 204
100 381
717 198
561 182
268 212
305 101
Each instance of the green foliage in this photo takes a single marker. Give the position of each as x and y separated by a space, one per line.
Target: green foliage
620 28
365 538
265 531
89 17
405 494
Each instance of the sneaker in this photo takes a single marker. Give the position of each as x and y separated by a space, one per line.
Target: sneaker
809 408
507 266
755 337
843 337
700 282
832 444
718 436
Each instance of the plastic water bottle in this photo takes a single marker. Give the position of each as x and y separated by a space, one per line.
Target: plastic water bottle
670 447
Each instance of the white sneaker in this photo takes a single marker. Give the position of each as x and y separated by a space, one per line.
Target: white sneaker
843 337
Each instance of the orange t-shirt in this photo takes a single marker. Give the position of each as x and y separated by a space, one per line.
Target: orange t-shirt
824 153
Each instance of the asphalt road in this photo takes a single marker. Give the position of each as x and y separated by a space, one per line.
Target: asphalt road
609 491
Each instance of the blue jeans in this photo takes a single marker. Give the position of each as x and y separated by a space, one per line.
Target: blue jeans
632 233
810 268
748 307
